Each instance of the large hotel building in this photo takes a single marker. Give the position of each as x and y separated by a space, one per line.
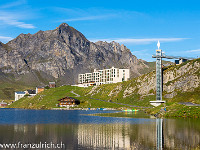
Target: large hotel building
105 76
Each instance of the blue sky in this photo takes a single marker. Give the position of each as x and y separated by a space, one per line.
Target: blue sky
138 24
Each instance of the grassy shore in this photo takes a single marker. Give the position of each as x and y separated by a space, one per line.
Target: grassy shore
48 99
124 114
175 110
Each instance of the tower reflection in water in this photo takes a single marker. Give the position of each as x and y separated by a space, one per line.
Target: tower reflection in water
159 133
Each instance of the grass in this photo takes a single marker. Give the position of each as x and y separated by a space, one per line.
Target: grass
49 98
7 90
140 114
192 96
44 100
175 110
178 110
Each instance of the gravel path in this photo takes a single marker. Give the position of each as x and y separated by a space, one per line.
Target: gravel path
75 94
189 104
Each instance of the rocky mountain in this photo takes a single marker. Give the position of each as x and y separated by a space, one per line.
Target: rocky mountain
60 55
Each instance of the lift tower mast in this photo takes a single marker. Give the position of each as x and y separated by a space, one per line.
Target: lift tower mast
159 55
159 76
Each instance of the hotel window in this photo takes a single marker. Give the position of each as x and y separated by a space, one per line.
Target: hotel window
117 72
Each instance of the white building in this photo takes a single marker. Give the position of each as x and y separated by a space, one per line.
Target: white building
19 95
105 76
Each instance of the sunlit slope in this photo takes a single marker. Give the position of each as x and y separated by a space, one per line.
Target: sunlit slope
180 84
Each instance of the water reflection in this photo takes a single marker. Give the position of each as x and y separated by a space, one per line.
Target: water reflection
107 136
136 134
104 136
159 133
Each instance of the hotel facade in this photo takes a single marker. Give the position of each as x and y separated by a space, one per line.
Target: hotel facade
105 76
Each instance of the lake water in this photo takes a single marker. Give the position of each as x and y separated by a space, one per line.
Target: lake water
74 129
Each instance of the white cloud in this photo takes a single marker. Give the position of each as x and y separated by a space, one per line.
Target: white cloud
5 38
12 15
77 14
86 18
140 51
12 19
13 4
193 51
140 41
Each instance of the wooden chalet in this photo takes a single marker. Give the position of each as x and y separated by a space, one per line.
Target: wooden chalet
68 101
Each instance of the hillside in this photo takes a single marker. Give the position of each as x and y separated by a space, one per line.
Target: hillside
60 55
178 81
181 84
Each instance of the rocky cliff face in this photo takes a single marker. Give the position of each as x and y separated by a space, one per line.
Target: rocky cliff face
183 78
62 54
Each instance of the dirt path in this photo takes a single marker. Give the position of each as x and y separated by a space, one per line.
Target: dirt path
75 94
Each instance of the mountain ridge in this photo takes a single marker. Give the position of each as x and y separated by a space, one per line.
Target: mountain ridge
60 55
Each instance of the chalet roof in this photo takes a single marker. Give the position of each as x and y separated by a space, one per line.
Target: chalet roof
68 97
40 87
31 91
20 92
3 103
52 83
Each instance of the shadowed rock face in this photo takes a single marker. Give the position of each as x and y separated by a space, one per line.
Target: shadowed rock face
62 54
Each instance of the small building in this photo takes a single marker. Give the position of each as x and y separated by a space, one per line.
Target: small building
39 89
52 84
31 92
19 95
68 101
180 61
85 84
3 104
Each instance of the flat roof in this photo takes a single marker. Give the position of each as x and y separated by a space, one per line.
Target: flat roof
20 92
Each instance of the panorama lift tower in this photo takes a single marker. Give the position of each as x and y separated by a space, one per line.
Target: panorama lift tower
159 76
159 55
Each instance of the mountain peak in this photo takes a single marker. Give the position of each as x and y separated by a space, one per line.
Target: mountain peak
63 24
62 53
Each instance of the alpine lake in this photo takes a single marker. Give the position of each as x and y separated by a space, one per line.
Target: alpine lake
83 129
